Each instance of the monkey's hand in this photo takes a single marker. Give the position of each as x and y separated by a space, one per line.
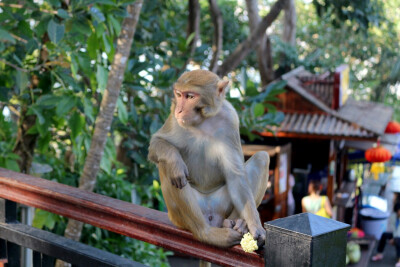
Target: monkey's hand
177 173
258 232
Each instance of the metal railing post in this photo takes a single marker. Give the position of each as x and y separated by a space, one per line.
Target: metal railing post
8 214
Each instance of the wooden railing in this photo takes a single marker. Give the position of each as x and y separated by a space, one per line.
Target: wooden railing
121 217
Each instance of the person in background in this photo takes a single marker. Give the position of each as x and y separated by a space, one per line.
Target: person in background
393 235
314 202
290 200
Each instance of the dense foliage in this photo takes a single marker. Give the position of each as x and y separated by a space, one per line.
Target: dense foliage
55 58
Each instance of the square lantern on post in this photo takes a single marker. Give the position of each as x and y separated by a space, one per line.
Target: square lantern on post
305 240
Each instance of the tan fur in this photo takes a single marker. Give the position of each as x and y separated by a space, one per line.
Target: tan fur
203 176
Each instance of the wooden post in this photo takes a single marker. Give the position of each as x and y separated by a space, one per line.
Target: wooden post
331 171
305 240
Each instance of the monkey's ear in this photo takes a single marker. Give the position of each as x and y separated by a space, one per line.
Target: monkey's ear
222 84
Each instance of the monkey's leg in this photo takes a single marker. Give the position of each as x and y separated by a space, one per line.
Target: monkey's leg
184 211
257 172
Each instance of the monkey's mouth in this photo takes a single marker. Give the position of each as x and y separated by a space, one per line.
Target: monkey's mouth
185 123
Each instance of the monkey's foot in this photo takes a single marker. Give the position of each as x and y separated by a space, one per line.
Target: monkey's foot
239 225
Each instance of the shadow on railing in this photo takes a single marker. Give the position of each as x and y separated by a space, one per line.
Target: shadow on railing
121 217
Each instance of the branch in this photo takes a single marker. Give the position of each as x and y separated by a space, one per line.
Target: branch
217 20
63 64
23 7
14 110
289 30
13 65
252 41
264 55
193 28
19 38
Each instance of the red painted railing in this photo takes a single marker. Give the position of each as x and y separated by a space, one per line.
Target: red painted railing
121 217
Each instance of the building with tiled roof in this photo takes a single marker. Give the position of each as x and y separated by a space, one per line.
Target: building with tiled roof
321 123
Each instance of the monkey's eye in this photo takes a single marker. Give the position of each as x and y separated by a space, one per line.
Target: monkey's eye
177 93
190 96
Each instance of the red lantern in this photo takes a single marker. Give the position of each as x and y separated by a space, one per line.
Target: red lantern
392 127
378 154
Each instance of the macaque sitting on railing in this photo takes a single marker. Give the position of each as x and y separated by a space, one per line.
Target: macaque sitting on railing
207 187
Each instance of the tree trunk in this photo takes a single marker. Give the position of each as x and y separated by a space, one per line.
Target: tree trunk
192 28
289 34
25 143
193 24
252 41
218 22
107 107
264 53
290 18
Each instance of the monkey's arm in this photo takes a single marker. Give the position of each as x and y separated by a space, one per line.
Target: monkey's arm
163 152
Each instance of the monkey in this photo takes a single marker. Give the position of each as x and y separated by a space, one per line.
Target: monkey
208 188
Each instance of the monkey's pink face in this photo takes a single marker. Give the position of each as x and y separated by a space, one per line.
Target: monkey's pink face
187 110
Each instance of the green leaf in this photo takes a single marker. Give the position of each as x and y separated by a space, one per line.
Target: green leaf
137 157
88 109
96 13
12 165
116 25
55 3
107 44
279 117
44 218
276 86
122 113
74 66
55 31
104 2
82 25
63 14
271 108
258 109
4 94
136 87
48 101
38 112
5 36
105 164
33 130
154 126
43 142
65 105
21 80
102 77
190 38
76 123
13 156
100 29
93 46
41 128
110 150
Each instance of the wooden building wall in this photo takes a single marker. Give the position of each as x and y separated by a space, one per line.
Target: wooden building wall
291 101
